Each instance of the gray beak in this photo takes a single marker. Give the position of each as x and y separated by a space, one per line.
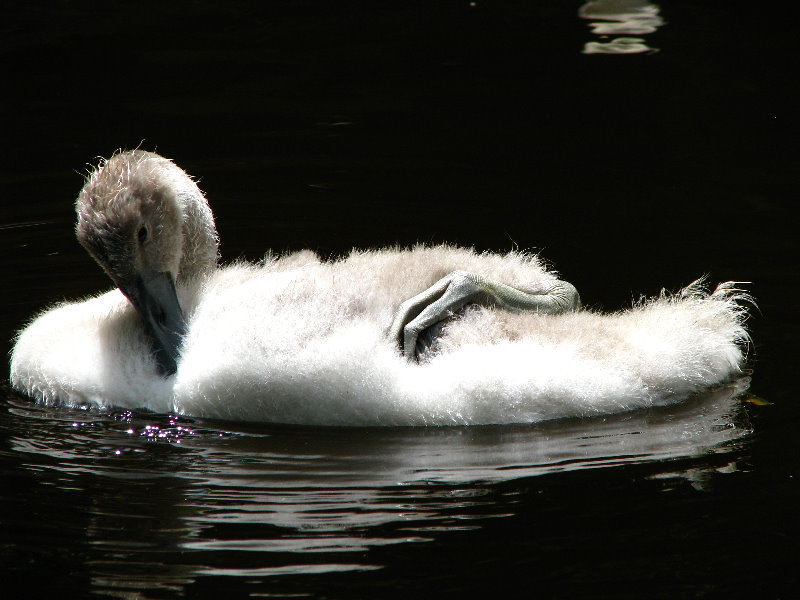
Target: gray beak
155 298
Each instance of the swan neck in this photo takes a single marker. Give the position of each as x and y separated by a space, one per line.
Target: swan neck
200 247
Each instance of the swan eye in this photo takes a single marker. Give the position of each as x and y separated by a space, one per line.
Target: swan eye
142 234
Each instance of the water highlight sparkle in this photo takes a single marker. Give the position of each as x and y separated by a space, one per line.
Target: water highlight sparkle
614 22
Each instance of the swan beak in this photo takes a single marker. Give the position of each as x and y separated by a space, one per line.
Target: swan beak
155 298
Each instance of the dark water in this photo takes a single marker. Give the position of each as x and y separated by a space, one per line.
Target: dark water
636 151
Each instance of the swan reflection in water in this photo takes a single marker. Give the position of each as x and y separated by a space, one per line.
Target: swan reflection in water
222 454
238 500
617 21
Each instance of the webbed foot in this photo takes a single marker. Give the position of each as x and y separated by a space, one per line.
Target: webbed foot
416 316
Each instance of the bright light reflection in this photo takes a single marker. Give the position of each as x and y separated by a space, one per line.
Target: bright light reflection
620 18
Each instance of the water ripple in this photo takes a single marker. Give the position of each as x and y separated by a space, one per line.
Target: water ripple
163 500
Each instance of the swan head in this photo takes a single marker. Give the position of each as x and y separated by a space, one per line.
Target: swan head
148 226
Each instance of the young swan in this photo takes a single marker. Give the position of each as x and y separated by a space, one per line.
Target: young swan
298 340
149 226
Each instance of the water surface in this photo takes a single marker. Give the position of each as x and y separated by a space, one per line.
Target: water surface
159 504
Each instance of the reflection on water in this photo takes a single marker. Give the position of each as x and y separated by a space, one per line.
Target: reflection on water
165 501
615 21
